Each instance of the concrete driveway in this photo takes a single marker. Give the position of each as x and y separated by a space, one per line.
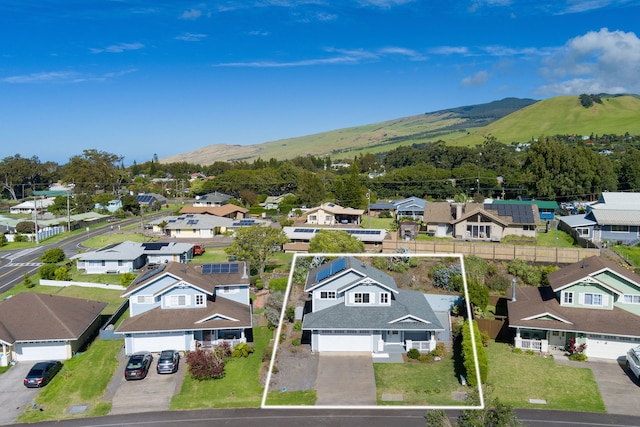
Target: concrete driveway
14 396
345 379
619 389
151 394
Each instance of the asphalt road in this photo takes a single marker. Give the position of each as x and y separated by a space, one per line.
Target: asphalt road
319 418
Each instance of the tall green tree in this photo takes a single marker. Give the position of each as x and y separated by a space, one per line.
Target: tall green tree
256 244
94 171
331 241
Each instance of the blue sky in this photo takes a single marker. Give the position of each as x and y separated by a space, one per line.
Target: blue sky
142 77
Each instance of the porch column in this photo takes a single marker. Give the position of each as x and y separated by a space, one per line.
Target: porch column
518 340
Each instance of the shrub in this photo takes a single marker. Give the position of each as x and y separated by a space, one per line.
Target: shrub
61 273
426 357
25 227
20 238
259 284
47 271
52 256
467 354
576 352
279 284
266 354
447 278
28 283
223 350
126 279
290 314
242 350
414 353
297 326
517 350
497 283
530 352
205 365
295 342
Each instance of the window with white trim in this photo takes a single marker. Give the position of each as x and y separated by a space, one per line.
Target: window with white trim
592 299
361 298
144 299
177 300
327 294
632 299
384 298
199 299
567 298
584 232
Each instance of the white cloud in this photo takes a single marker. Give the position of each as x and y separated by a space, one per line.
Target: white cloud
478 79
450 50
191 14
191 37
384 4
343 56
63 77
598 61
118 48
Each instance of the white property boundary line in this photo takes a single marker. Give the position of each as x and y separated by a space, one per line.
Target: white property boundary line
364 255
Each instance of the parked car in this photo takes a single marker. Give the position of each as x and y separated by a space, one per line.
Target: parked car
168 362
198 249
633 361
138 366
41 373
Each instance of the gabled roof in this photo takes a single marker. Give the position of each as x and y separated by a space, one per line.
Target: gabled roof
30 316
196 221
409 202
214 210
617 201
191 274
318 277
215 197
125 251
587 268
537 308
335 209
221 314
438 213
510 214
580 220
615 216
409 306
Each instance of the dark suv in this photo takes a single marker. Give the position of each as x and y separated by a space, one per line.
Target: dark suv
41 373
138 366
168 362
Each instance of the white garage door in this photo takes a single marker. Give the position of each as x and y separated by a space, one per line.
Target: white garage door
41 351
158 342
608 349
345 341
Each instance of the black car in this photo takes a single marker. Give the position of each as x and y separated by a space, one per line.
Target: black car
168 362
138 366
41 373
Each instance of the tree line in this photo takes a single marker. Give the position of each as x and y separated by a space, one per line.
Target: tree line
564 167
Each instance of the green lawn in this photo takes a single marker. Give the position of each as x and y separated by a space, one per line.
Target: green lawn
630 253
292 398
239 388
421 384
516 378
82 381
551 239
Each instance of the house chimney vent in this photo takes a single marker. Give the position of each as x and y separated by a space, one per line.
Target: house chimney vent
513 292
244 270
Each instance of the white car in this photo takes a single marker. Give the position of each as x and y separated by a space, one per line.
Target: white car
633 361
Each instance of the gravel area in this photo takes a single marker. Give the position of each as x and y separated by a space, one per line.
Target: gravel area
296 368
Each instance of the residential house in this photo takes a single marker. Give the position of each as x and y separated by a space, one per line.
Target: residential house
412 207
29 206
166 252
151 200
493 222
212 199
186 306
273 202
117 258
376 208
356 307
332 214
299 237
595 301
614 217
200 226
35 326
227 211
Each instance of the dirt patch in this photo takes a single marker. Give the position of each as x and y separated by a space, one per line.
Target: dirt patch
295 367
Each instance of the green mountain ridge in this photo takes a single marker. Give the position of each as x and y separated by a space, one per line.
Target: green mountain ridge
509 120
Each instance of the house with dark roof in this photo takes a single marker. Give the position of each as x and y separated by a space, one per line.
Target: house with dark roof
547 209
226 211
35 326
356 307
212 199
151 200
595 301
186 306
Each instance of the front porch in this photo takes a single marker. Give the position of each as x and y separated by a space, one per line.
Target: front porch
544 341
209 339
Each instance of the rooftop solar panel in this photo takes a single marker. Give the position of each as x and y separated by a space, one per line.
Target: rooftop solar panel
220 268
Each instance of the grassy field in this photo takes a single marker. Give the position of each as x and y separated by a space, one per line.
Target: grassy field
630 253
516 378
421 384
239 388
82 381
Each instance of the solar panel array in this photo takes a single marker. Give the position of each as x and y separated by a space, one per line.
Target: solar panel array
363 231
244 223
220 268
150 273
519 213
144 198
304 230
154 246
192 222
332 269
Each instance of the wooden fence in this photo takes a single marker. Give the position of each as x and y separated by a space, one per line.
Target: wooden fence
495 251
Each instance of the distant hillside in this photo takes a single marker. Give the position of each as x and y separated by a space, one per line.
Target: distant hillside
509 120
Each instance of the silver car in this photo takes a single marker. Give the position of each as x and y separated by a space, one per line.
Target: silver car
168 362
633 361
